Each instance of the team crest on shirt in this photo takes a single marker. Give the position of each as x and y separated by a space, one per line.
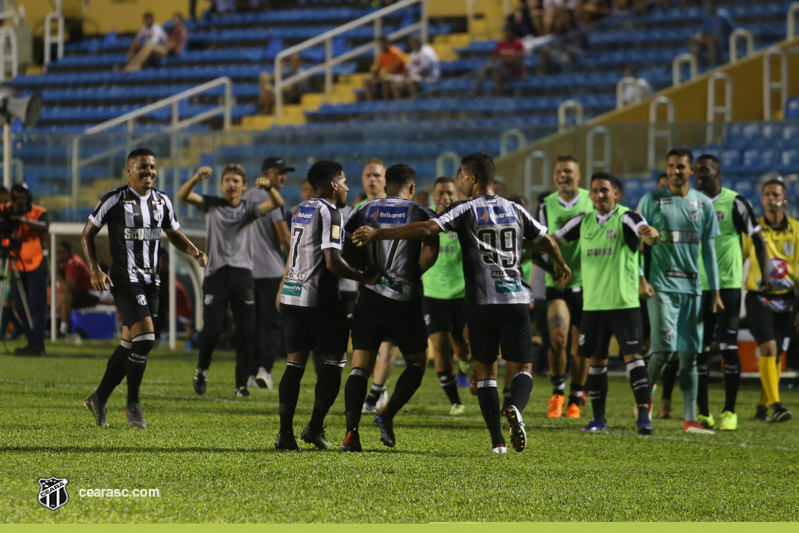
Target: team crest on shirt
669 334
611 235
141 299
720 216
787 248
581 339
209 299
158 214
695 216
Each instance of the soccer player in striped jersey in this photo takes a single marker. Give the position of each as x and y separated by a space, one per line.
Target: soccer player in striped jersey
228 278
313 315
685 219
373 179
609 240
444 290
491 231
135 213
565 302
771 310
391 307
736 218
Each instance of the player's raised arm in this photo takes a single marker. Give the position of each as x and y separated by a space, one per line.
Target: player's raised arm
417 230
185 192
275 200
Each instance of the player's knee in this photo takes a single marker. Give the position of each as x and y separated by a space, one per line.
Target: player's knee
140 347
557 340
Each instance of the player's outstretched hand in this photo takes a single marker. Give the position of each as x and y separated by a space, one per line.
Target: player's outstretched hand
203 173
101 281
372 274
767 285
648 233
201 258
364 235
563 274
263 183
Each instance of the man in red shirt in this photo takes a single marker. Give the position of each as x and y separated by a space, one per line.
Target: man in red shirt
506 63
75 281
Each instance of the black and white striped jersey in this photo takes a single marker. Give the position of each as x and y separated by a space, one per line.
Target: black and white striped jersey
134 232
398 259
316 225
491 230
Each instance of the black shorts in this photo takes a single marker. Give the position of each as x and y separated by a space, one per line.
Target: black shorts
378 318
500 325
573 299
348 300
444 315
770 319
136 301
84 299
722 326
598 326
323 329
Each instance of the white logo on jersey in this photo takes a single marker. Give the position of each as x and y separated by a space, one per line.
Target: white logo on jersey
669 334
209 299
158 215
581 339
788 248
141 299
695 216
427 320
611 234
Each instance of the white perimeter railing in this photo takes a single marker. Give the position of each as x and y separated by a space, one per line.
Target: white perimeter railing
326 38
8 52
56 17
13 11
130 119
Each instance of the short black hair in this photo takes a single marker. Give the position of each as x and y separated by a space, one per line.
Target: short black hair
481 165
400 175
614 181
681 152
710 157
443 179
66 246
139 152
567 158
323 172
776 181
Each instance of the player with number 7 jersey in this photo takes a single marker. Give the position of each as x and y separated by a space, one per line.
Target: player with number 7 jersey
491 231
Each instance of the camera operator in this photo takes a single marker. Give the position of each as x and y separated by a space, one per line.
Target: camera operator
24 227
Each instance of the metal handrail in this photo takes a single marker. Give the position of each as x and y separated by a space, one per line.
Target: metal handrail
725 110
327 39
676 68
8 38
17 13
56 16
793 11
507 135
130 119
780 85
442 159
734 37
593 164
565 107
623 83
655 132
530 187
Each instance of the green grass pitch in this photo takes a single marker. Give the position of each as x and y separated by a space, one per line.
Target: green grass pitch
212 457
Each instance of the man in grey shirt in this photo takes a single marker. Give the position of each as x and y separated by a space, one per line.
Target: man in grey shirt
228 276
270 245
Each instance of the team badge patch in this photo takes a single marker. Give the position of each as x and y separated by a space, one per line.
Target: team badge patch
335 232
787 248
611 235
695 216
669 334
209 299
141 299
53 492
581 339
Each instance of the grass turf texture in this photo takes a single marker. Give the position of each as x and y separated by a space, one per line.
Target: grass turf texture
212 457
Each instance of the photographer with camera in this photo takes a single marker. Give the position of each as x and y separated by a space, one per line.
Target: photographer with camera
23 227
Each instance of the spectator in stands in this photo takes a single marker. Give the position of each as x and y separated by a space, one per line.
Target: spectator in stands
527 18
506 63
423 67
630 92
292 94
590 11
151 52
717 25
553 9
561 54
151 33
389 68
75 280
184 314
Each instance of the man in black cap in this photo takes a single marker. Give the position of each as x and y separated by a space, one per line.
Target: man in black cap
270 241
